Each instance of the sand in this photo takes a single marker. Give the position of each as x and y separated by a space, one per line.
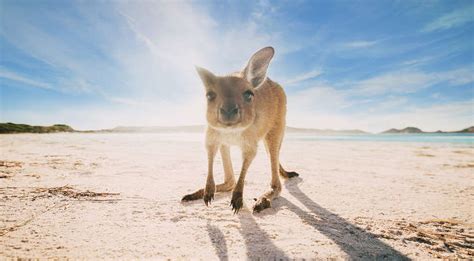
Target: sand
114 196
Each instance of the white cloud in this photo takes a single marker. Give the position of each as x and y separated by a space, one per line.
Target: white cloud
456 77
360 44
72 84
394 82
303 77
321 97
23 79
451 116
411 81
419 61
126 101
173 46
130 113
74 65
386 106
451 20
389 103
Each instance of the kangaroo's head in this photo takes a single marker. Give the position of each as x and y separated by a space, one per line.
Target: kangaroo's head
231 99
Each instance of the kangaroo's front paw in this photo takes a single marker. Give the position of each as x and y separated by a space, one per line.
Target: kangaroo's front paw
261 204
236 201
209 193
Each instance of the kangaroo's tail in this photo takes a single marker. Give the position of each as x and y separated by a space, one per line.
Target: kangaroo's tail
287 174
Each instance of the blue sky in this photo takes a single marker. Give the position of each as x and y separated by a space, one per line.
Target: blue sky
370 65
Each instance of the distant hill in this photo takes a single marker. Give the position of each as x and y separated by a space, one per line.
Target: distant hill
411 130
405 130
466 130
25 128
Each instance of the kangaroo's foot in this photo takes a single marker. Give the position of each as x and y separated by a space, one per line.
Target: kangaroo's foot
193 196
209 192
287 174
224 187
261 204
265 200
236 201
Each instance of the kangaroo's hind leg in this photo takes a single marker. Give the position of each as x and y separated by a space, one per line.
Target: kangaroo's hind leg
229 179
272 143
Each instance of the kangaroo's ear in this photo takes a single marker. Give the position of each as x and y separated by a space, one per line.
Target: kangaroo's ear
207 78
256 70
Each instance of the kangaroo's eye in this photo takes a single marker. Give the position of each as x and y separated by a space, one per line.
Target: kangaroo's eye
248 96
211 96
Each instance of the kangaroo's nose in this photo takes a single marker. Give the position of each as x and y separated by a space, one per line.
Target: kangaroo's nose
229 111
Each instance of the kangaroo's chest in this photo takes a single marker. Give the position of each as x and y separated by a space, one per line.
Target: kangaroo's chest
232 138
241 139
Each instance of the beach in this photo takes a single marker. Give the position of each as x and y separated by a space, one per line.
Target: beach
110 196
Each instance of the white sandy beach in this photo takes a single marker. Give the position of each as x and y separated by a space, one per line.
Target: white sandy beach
353 200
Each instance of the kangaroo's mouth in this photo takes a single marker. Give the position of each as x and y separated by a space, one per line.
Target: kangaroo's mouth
227 124
228 127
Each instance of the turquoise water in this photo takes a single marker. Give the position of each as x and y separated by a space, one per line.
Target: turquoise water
463 138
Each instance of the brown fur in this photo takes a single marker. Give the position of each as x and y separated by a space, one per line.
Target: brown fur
235 119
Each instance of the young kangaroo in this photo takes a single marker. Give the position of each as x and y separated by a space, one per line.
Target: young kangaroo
242 109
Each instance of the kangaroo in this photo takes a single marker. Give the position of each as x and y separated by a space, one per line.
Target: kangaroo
242 109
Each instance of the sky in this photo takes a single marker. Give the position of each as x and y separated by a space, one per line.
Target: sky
369 65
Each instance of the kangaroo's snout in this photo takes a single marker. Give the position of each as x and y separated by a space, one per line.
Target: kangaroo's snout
229 113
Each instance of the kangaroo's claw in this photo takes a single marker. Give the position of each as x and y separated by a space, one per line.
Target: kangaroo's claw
209 193
236 202
208 198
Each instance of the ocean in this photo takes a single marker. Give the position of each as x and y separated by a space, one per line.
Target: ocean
461 138
452 138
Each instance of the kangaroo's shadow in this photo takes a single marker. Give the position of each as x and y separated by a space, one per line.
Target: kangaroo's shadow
218 241
355 242
257 242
